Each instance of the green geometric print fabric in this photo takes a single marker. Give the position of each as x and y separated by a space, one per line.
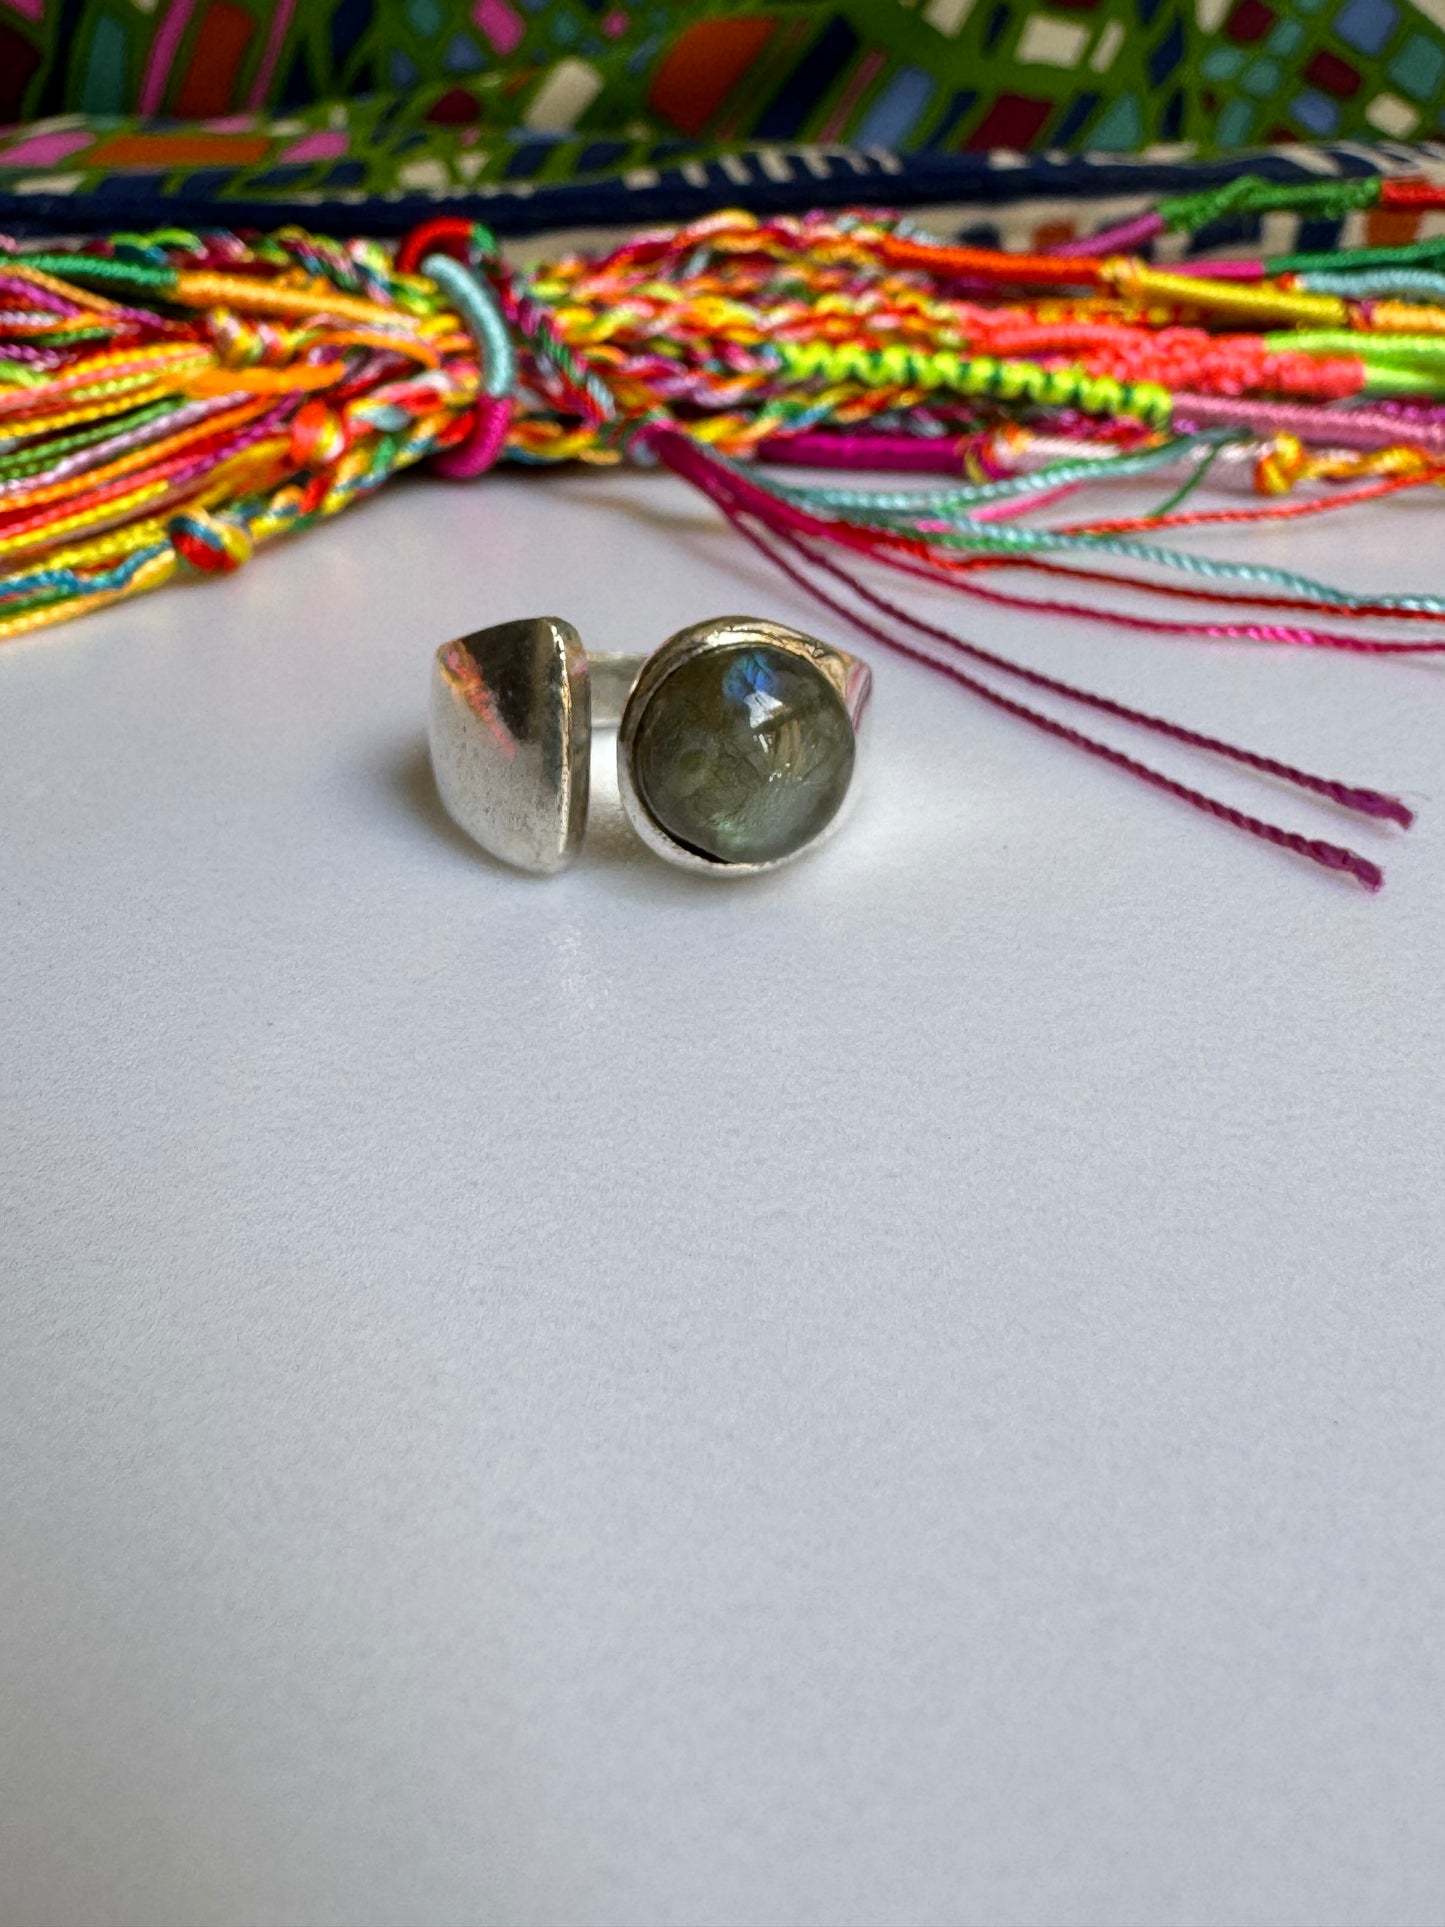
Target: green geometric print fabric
909 76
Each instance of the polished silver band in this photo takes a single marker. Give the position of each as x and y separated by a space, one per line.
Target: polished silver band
613 680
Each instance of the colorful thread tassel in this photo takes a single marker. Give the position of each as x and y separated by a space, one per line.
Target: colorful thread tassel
172 401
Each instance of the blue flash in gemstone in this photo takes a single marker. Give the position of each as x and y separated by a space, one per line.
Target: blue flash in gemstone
744 755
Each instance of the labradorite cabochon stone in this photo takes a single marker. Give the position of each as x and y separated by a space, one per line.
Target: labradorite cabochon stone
745 754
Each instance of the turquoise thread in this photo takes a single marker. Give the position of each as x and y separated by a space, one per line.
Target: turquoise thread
473 300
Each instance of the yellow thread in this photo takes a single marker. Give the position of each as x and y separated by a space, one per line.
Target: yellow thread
1279 466
1405 318
147 456
114 387
116 362
81 297
74 525
109 547
198 289
219 485
96 411
1225 297
909 369
150 575
113 511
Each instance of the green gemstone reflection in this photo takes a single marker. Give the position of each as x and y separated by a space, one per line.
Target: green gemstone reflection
744 754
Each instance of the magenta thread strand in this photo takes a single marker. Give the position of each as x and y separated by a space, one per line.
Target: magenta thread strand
1349 796
732 495
1127 238
1330 856
900 454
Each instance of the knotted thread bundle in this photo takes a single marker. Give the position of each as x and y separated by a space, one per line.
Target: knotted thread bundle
170 402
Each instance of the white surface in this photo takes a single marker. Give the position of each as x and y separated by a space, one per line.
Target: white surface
908 1391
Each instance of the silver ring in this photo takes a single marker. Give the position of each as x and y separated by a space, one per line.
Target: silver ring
737 741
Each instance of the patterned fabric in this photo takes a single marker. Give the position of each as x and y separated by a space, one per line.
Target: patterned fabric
949 73
539 114
907 75
69 177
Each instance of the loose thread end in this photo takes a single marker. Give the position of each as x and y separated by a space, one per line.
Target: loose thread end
1331 856
1378 804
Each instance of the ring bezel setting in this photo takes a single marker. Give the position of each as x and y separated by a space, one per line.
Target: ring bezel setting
847 677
